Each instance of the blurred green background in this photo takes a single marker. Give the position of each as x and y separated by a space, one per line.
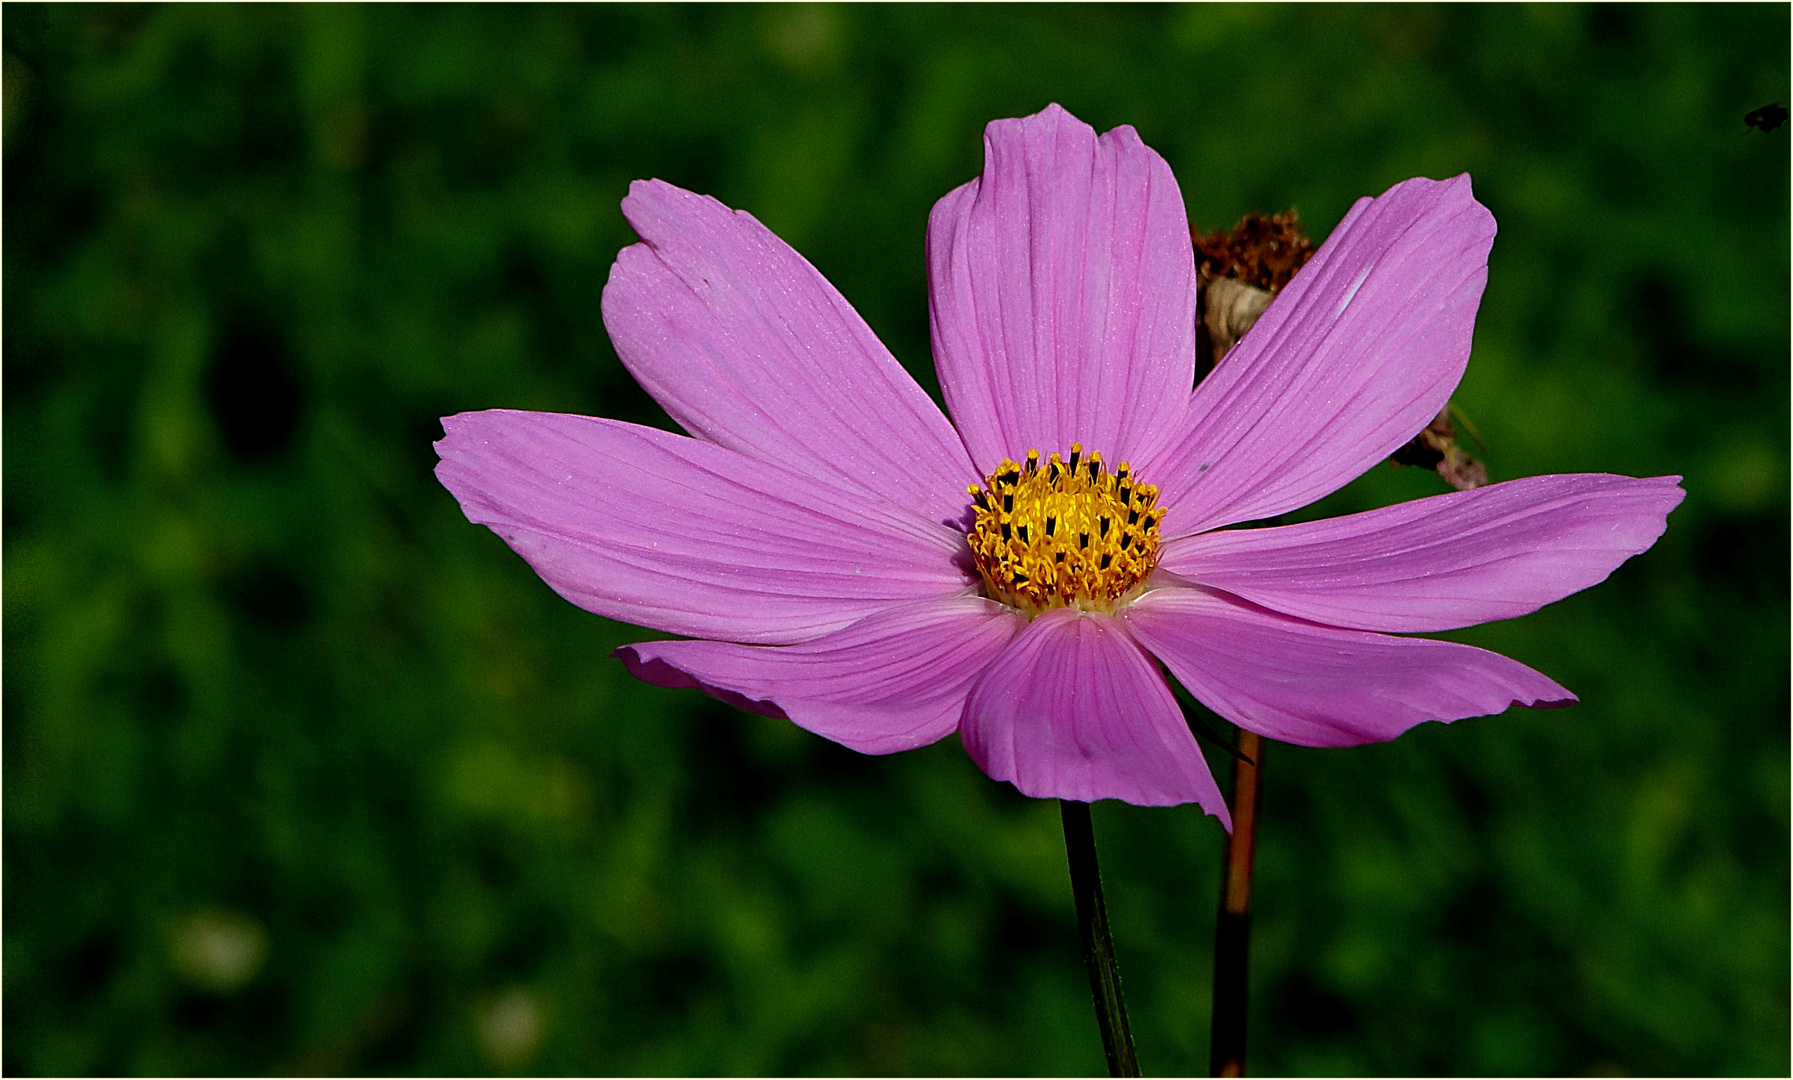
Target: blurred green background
304 773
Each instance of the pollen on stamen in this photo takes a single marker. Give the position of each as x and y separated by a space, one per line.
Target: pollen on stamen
1068 534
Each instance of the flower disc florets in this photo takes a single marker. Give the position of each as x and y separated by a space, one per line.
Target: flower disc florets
1066 534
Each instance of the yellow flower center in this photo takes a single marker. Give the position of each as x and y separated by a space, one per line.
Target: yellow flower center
1066 534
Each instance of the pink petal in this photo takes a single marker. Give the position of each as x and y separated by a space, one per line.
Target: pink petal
1075 710
895 680
1062 290
1319 685
747 345
1360 351
685 536
1434 564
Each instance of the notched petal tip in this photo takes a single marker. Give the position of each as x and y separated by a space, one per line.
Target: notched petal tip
1052 116
657 672
1550 703
651 193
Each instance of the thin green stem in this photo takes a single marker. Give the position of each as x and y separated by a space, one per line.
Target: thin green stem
1232 929
1098 946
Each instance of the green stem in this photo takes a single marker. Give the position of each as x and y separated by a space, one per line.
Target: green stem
1098 946
1226 1053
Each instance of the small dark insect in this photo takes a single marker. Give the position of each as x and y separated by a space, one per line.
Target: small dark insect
1766 118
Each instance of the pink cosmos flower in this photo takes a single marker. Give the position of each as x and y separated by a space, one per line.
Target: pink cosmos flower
853 561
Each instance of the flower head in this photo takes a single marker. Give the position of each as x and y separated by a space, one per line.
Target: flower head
1024 575
1066 533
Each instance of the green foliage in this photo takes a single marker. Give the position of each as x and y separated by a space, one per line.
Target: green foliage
303 773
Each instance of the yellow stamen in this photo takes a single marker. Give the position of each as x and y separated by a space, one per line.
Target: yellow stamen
1069 534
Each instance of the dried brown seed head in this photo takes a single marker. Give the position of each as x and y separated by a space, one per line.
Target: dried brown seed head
1261 251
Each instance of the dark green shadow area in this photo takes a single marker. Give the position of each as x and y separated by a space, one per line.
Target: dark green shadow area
305 774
